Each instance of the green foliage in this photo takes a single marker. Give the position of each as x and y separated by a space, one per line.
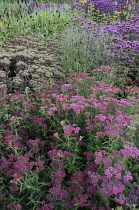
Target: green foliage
118 208
39 24
86 54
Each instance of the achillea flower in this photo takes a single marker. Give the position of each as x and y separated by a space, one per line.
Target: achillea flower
108 173
74 187
93 178
78 177
100 134
59 174
109 187
88 155
34 142
40 163
87 113
118 176
43 107
121 199
100 117
14 206
89 127
83 198
107 161
77 111
118 166
129 151
67 85
14 188
77 90
97 160
115 190
46 206
67 130
58 154
57 163
127 177
62 194
133 194
77 129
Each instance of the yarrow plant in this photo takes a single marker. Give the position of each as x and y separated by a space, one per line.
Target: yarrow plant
72 142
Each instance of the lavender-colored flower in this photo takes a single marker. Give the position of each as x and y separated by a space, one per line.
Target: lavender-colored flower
14 188
78 177
14 206
93 178
121 199
59 174
127 176
67 85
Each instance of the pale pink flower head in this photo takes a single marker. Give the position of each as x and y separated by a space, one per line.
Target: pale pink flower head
66 86
127 177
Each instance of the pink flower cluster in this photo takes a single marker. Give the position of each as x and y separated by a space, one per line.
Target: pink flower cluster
14 206
115 176
68 129
58 174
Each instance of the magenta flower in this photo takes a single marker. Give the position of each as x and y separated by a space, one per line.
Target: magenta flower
118 176
58 154
77 111
67 85
101 134
127 177
78 177
65 106
40 163
14 206
34 142
100 117
14 188
121 199
118 165
59 174
43 107
108 173
88 155
77 129
87 113
98 160
67 130
119 188
93 178
111 187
